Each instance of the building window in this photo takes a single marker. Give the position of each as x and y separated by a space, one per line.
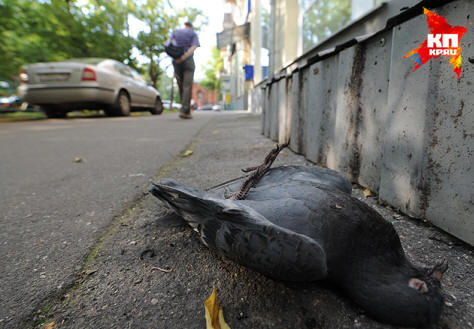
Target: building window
265 31
322 18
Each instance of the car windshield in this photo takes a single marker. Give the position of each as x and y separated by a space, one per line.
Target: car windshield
86 60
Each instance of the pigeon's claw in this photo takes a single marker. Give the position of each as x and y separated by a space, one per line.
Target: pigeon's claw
438 270
249 169
257 173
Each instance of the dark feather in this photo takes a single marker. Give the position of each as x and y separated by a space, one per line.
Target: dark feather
302 224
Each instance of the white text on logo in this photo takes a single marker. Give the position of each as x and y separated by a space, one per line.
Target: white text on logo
443 44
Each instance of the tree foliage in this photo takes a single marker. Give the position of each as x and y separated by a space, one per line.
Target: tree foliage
212 71
33 31
50 30
160 19
323 18
150 43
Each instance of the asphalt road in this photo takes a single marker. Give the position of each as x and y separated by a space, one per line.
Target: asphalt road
119 289
54 209
72 233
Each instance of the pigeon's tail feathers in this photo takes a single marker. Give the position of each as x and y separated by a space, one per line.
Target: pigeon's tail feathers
244 235
193 205
184 200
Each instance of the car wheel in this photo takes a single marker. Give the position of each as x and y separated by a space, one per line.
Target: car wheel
121 106
53 111
158 108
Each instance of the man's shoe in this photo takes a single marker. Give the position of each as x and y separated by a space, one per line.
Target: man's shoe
185 116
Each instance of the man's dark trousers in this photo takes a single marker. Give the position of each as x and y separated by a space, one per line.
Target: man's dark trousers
184 73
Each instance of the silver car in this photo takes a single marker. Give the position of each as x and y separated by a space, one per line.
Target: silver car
87 83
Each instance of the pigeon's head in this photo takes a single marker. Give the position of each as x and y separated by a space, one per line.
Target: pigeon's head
406 295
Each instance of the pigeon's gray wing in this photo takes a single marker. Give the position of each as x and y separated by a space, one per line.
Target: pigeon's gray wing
314 174
245 236
170 219
291 174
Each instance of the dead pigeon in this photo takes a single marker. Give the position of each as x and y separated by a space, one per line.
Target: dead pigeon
300 223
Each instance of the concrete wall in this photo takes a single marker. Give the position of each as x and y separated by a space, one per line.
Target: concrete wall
255 100
406 135
241 102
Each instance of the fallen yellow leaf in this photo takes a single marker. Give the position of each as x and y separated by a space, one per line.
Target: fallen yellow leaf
367 193
187 153
49 325
214 313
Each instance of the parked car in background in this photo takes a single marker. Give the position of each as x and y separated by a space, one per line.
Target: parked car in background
215 107
205 108
167 103
10 104
87 83
9 101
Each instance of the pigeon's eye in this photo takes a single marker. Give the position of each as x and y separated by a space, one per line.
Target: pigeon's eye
418 284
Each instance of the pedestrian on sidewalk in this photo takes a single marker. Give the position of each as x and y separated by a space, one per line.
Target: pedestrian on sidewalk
184 66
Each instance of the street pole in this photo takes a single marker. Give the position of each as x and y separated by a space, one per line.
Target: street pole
172 93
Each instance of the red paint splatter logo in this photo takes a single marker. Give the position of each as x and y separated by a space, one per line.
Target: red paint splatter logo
443 40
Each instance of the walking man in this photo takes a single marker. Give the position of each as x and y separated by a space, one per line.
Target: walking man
184 66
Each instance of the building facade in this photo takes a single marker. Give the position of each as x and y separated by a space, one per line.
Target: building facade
201 96
350 100
234 44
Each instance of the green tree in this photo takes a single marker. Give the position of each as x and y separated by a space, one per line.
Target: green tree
107 30
160 20
165 86
150 43
20 42
50 30
324 18
212 71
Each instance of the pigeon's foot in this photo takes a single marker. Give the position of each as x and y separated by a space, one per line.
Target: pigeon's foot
257 173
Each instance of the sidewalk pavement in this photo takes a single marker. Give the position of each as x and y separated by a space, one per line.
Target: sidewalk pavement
118 290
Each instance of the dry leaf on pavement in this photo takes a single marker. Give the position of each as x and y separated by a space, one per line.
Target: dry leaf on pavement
49 325
367 193
186 153
214 313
